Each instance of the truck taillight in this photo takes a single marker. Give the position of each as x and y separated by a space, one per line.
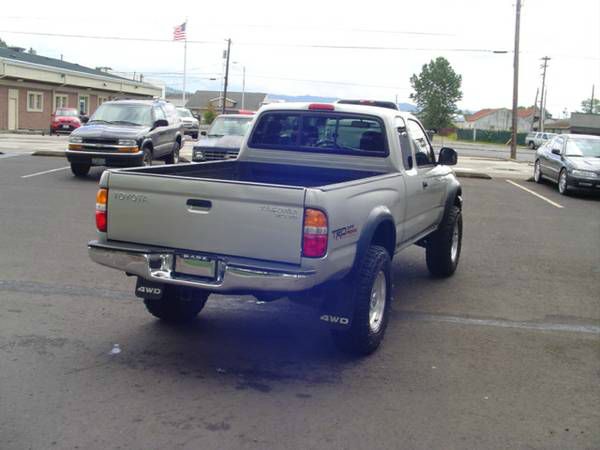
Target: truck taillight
314 238
101 212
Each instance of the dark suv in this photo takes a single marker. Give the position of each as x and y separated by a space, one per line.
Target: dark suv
127 133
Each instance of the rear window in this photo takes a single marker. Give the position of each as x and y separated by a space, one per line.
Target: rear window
320 132
67 112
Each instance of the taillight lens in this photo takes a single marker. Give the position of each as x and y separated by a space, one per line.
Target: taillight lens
314 238
101 212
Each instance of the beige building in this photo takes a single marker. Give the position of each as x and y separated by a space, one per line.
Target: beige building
32 87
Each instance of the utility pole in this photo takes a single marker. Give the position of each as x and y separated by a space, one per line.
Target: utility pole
244 86
515 106
543 101
226 78
535 108
592 100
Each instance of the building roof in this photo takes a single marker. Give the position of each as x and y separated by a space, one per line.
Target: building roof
16 55
521 112
201 99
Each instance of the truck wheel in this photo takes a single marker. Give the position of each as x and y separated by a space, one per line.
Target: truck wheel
444 245
372 296
195 135
147 158
531 145
178 304
80 170
173 158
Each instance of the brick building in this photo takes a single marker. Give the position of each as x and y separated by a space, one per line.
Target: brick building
33 86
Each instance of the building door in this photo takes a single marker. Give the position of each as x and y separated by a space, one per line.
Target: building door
13 109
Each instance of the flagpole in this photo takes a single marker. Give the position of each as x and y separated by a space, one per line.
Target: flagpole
184 63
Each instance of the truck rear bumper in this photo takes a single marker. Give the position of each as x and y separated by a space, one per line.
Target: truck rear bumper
231 276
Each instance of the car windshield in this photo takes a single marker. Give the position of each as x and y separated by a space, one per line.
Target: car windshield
184 112
229 126
583 147
131 114
66 112
322 132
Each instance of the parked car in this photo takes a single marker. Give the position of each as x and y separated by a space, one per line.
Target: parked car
64 120
127 133
191 125
319 201
223 138
537 139
570 160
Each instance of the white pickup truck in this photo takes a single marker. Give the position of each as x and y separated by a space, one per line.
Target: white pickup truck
318 202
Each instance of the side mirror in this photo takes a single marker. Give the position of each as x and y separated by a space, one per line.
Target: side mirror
160 123
448 157
556 151
203 133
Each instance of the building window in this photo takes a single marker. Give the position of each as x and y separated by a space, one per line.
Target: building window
61 101
35 101
84 104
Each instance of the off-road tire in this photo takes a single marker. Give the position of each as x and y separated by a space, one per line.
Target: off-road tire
178 304
441 261
80 170
360 339
173 157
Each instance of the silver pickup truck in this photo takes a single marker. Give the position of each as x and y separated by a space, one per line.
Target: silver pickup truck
318 202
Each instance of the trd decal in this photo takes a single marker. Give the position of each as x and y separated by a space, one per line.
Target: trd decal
344 232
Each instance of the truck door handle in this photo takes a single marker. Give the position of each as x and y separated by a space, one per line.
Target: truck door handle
198 205
425 184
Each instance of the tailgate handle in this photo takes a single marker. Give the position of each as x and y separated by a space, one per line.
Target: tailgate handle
198 205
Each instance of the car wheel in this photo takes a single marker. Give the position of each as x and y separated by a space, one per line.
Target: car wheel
147 158
173 158
443 248
178 304
563 182
194 136
372 294
537 172
531 145
80 170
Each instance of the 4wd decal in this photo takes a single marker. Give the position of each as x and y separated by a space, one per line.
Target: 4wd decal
344 232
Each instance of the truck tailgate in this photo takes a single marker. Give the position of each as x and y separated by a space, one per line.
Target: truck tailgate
237 219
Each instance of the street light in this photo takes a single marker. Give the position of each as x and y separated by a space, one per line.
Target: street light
243 82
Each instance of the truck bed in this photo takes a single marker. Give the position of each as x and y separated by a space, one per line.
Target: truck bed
251 172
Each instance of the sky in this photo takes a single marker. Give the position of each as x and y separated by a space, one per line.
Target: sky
310 47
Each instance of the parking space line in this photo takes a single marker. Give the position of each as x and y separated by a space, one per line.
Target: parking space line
535 193
45 172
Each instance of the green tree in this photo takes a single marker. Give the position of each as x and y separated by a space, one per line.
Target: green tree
437 89
3 44
588 107
209 115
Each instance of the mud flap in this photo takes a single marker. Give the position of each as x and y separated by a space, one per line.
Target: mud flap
337 309
149 289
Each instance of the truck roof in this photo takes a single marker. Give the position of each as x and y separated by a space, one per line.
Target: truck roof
339 107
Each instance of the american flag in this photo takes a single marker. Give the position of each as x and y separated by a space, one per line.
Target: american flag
179 32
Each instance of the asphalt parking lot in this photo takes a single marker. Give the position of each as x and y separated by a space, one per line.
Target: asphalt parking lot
505 354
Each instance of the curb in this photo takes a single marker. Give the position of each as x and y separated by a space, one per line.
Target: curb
469 174
49 153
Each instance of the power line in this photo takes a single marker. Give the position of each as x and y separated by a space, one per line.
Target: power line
264 44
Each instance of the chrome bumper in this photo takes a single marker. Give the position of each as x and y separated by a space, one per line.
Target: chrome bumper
231 277
106 154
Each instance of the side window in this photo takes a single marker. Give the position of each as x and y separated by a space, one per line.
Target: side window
405 147
558 143
159 113
423 151
171 113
